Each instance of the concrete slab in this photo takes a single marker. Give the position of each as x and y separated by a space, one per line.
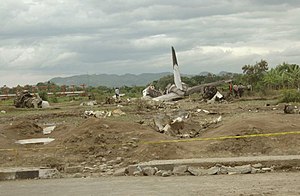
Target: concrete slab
27 173
267 161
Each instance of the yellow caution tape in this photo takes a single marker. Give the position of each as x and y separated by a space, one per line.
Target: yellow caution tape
164 141
224 137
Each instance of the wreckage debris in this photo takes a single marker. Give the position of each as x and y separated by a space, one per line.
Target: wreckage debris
27 100
89 103
35 141
291 109
179 90
48 130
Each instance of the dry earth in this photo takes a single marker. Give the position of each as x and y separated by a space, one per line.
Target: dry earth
92 142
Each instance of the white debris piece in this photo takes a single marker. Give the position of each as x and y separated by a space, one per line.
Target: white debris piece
48 130
3 111
35 141
217 95
45 104
178 119
206 111
217 120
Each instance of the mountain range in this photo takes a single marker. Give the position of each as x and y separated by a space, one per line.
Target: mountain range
113 80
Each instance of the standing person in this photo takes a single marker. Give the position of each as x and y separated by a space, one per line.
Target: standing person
230 88
117 93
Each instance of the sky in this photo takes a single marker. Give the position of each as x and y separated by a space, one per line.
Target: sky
42 39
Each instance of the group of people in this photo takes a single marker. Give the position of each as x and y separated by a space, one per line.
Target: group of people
236 90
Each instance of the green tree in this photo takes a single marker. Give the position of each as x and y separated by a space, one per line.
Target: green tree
254 73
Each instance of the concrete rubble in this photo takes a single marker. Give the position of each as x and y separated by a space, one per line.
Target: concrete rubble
184 170
174 124
216 166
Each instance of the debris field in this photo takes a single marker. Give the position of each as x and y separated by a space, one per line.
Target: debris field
101 139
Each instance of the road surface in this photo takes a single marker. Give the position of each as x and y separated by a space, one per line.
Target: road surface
247 184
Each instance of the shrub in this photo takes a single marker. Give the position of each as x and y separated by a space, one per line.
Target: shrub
290 96
43 95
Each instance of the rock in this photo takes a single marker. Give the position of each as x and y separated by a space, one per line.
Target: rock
133 168
257 165
78 175
159 173
3 111
180 170
73 169
196 171
254 171
166 173
149 171
223 170
213 170
138 173
119 160
120 172
244 169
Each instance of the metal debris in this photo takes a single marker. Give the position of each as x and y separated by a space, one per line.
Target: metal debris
35 141
48 130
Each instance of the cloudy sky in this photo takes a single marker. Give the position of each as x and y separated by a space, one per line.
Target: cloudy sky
42 39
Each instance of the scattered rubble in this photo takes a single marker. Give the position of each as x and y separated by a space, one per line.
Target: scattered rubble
103 114
183 170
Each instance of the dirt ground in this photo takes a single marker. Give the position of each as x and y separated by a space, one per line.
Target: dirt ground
92 141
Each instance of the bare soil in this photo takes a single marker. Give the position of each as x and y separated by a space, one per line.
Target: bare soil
94 141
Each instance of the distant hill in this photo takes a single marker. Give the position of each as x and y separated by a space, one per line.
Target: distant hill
113 80
110 80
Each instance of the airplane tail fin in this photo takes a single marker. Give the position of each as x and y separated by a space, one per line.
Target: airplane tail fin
177 78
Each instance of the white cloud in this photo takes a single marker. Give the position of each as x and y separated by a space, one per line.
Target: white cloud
40 39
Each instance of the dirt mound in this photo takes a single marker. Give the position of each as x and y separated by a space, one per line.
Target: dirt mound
257 124
96 139
25 128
